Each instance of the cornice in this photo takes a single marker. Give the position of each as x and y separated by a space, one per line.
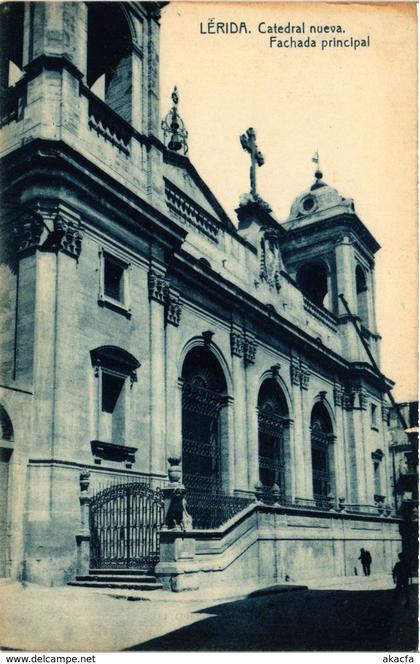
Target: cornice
352 221
58 165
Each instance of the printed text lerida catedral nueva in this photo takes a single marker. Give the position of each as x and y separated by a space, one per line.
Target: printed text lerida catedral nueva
290 35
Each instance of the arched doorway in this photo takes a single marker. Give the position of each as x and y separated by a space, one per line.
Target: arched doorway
203 421
322 465
6 439
272 415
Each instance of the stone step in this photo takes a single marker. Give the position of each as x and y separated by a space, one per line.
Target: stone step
118 571
117 578
117 584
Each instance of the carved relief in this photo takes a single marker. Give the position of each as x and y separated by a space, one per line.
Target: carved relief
63 231
299 373
158 286
28 231
363 399
349 397
250 349
237 344
270 259
295 371
385 412
304 377
68 235
338 394
173 311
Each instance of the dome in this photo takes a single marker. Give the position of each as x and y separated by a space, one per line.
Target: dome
318 199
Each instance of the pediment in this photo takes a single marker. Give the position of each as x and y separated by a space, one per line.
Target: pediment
190 199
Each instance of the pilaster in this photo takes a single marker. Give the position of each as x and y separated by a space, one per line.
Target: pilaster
251 410
173 312
344 256
157 285
240 438
341 451
299 456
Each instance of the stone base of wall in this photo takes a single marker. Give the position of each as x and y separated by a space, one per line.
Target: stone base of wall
274 547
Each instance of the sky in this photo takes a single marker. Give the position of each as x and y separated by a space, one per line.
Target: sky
356 106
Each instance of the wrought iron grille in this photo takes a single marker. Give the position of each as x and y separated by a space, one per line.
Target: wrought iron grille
211 511
125 520
320 465
201 438
270 442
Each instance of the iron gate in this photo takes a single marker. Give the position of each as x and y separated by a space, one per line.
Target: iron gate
125 520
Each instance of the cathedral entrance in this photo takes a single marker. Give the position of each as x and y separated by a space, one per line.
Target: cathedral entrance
124 522
321 438
203 392
272 412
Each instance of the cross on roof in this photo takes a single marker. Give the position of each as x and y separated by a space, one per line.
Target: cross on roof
248 142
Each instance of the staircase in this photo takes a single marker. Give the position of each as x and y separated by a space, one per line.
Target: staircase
126 579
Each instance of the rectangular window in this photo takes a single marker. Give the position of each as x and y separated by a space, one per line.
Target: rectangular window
377 478
373 416
113 286
113 279
113 408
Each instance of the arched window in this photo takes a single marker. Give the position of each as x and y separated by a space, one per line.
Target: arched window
109 59
11 43
312 281
203 421
321 439
362 296
272 412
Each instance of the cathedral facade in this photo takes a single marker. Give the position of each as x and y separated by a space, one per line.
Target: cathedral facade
146 332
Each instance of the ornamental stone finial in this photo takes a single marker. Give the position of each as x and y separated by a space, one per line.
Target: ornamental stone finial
174 131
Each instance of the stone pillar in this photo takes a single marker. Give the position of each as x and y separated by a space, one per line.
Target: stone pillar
387 460
340 451
251 411
240 430
360 469
157 297
227 446
346 281
173 312
306 431
83 536
151 110
289 461
177 543
299 456
367 450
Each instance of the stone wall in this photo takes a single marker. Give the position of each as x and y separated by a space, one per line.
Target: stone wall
269 545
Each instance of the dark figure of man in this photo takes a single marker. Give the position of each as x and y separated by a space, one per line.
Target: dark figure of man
401 576
366 560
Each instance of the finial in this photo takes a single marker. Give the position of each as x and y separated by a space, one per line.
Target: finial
174 128
318 173
174 96
315 159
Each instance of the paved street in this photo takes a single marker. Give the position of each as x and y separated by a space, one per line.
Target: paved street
311 620
363 616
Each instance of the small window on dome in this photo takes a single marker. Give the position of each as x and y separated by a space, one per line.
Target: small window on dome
308 204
